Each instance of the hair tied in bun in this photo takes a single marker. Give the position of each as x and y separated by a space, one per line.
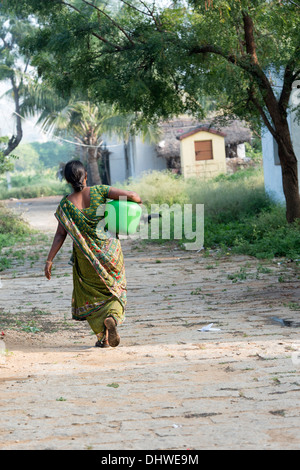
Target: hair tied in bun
75 174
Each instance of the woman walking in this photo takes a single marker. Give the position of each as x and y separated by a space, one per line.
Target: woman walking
99 281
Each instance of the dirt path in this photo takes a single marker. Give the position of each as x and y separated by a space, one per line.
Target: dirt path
168 385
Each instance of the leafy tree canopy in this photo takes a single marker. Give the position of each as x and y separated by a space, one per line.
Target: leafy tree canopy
163 60
13 68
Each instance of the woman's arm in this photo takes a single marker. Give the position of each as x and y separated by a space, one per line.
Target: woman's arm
115 193
58 242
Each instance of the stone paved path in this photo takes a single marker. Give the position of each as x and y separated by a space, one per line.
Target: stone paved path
168 385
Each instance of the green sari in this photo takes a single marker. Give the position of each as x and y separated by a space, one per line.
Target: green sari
99 281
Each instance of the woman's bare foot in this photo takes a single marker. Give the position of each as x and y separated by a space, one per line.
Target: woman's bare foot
113 336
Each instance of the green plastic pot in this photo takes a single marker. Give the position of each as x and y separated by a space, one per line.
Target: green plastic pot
122 217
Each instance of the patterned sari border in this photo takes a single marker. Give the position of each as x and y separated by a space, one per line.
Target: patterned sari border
117 290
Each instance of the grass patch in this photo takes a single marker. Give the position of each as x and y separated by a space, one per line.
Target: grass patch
17 239
239 215
263 235
229 198
158 187
13 229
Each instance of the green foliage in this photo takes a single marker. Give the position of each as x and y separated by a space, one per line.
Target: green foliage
239 216
158 187
13 69
154 59
32 183
113 385
230 198
161 61
40 156
6 163
51 154
135 79
265 235
276 240
12 229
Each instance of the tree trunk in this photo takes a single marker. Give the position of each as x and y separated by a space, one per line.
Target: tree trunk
289 167
279 127
91 158
15 139
126 151
104 156
93 168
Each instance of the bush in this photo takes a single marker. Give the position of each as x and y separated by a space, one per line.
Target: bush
238 213
230 198
269 236
12 227
158 187
30 184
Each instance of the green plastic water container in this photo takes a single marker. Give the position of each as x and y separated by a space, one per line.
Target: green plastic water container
122 217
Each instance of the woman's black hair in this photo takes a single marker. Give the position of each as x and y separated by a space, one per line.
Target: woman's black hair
75 174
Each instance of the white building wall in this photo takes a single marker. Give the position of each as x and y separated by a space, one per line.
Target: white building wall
116 159
142 157
241 151
117 164
272 171
272 168
294 122
146 158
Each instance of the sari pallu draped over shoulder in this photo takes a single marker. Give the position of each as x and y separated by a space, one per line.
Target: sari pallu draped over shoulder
103 252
